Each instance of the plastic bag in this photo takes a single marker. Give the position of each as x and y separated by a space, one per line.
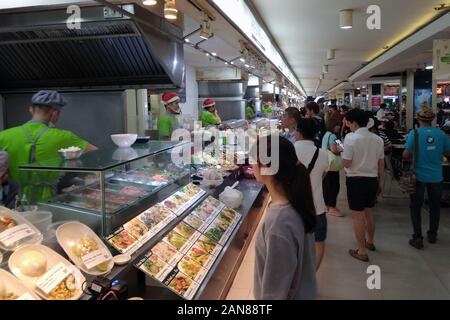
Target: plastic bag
231 198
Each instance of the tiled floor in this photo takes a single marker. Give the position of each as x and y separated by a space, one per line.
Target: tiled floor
406 273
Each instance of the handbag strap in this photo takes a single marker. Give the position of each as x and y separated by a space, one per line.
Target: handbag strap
328 143
416 148
313 161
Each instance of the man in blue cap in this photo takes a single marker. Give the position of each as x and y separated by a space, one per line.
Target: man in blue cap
36 141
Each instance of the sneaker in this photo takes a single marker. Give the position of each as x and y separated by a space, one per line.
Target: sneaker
335 212
416 243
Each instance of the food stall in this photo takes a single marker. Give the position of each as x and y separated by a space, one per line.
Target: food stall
182 242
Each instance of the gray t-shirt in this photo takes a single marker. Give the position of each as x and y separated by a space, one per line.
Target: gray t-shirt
285 267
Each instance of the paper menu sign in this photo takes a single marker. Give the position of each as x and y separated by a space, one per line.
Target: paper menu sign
26 296
17 233
94 258
53 277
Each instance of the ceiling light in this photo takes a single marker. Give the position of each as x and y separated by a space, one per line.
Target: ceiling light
429 67
358 88
346 19
206 32
325 69
232 62
170 10
247 66
187 40
331 54
242 60
226 63
149 2
214 54
207 54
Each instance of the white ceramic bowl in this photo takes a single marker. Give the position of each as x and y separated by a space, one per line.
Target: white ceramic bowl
70 155
69 233
124 140
53 259
13 285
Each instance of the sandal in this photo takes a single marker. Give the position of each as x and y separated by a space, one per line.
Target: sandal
360 257
370 246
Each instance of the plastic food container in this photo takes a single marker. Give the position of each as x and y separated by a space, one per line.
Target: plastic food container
11 285
16 230
212 183
40 219
16 265
78 240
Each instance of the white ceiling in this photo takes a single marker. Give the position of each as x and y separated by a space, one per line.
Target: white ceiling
305 29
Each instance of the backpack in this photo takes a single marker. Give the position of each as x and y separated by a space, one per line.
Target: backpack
320 132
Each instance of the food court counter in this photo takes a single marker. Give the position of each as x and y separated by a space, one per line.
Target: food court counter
222 272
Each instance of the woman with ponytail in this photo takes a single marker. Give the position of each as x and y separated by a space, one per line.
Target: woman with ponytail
285 267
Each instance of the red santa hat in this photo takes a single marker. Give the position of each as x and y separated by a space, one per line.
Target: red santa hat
168 98
209 103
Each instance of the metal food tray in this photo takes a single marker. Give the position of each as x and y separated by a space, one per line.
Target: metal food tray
130 177
79 202
129 199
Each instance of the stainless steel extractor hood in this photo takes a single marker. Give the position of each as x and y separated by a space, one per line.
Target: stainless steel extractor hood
38 50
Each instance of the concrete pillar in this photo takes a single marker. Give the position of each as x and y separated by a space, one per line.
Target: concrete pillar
129 97
434 97
382 92
369 97
142 111
410 100
191 107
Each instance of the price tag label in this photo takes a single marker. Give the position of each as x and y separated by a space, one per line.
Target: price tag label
17 233
25 296
94 258
53 277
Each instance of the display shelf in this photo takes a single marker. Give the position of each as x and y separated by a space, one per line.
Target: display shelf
103 159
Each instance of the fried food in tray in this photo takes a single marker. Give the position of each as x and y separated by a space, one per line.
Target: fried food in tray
136 228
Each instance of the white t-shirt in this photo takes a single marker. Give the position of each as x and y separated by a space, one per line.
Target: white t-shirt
305 150
364 149
381 115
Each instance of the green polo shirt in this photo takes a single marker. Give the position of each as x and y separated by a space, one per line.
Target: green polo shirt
267 110
166 125
249 113
15 142
209 119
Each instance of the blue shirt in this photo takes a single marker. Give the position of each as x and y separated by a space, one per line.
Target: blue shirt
328 139
433 143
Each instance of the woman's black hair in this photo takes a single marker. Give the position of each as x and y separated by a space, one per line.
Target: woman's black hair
293 177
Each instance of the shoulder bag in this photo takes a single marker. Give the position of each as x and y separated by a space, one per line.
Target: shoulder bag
334 160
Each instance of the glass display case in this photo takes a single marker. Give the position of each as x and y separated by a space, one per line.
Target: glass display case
106 188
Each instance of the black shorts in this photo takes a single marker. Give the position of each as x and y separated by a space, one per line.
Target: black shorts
361 193
320 232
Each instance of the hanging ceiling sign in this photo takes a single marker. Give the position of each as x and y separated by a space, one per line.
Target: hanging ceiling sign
441 59
238 12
